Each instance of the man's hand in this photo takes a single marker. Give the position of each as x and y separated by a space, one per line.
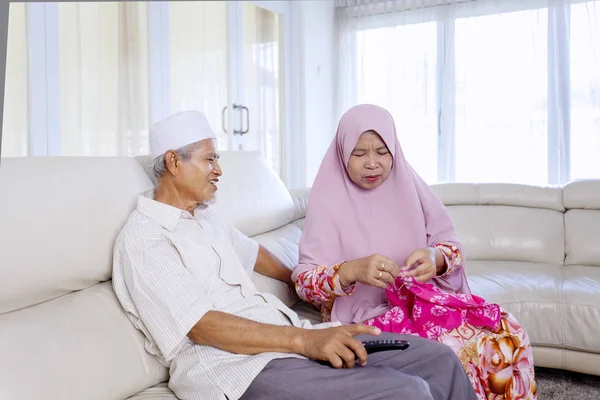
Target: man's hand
336 345
427 262
375 270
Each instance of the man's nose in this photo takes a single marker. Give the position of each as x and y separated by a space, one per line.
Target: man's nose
217 170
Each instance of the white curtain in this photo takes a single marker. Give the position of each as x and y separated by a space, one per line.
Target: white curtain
104 78
486 91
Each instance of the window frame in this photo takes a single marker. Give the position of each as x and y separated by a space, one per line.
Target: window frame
43 95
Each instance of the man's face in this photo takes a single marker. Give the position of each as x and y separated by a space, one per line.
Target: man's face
197 180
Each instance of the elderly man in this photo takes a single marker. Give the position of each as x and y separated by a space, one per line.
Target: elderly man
183 278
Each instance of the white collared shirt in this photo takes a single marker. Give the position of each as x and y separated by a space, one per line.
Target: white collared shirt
169 269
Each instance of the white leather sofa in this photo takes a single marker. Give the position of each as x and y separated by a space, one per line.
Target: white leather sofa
64 336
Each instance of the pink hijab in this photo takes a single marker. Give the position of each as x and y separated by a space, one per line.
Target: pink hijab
346 222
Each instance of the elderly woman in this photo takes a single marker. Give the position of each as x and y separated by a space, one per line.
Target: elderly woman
379 248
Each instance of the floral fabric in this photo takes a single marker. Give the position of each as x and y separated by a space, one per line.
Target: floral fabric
425 310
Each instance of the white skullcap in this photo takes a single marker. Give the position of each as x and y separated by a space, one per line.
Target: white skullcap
179 130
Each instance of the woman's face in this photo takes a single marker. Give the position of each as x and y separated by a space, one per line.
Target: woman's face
370 162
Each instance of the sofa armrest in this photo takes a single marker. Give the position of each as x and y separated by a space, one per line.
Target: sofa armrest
300 197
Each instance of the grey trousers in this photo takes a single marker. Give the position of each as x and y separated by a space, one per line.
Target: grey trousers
427 370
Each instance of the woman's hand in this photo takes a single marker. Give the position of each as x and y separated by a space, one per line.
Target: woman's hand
428 263
375 270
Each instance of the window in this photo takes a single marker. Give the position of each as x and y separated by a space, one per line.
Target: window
483 91
501 98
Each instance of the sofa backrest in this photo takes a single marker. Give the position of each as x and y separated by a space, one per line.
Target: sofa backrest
507 222
63 334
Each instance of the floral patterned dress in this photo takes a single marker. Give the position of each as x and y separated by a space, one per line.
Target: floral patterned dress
496 356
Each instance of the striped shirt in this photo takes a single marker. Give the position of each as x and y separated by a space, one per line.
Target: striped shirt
169 269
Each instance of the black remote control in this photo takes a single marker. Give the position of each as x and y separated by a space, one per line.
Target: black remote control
373 346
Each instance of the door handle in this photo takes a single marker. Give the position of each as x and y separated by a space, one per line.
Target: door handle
223 119
238 131
244 131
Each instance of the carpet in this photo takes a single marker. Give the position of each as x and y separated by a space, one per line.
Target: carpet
556 384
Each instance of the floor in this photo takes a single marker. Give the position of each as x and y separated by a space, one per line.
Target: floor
562 385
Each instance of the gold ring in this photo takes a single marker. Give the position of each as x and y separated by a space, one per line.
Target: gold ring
380 274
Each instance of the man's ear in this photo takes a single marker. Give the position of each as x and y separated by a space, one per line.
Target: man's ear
172 161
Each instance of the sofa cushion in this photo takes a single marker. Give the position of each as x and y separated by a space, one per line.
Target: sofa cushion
582 194
308 312
283 243
79 346
529 291
60 217
570 360
251 196
510 233
158 392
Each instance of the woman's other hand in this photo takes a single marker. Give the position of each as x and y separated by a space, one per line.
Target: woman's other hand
375 270
425 262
